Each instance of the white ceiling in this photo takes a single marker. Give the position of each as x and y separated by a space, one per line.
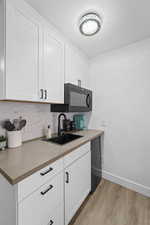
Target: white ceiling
124 21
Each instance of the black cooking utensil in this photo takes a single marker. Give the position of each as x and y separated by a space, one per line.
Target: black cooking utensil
22 124
8 125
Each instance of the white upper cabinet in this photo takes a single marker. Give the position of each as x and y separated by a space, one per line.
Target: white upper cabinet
52 68
76 66
35 60
32 56
21 56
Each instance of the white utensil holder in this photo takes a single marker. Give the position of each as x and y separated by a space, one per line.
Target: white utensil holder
14 139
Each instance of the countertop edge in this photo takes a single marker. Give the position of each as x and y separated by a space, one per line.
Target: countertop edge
29 173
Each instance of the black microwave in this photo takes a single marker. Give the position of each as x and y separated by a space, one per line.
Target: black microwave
76 99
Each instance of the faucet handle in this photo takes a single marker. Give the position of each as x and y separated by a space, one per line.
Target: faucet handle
62 132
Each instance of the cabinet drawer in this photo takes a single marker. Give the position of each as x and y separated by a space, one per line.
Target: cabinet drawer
37 208
32 183
57 216
76 154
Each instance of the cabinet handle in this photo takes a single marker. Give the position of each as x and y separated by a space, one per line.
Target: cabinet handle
67 178
88 100
47 190
51 222
46 172
42 94
45 94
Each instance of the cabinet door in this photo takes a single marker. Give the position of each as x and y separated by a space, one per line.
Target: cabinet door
21 56
77 185
39 207
76 67
53 69
57 216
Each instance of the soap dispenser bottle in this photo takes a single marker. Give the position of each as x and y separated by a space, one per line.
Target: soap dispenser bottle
49 132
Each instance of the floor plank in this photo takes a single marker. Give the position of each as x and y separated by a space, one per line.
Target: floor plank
112 204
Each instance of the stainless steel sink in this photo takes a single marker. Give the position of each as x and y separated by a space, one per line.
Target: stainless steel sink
64 138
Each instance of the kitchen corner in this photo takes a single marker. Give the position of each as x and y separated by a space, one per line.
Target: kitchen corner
74 112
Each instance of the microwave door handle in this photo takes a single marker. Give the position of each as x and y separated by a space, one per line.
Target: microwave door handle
88 100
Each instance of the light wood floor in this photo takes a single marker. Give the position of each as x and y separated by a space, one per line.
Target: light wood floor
112 204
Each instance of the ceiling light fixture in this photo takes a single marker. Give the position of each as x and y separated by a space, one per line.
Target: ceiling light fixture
90 24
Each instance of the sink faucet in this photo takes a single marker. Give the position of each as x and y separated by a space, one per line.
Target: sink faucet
59 126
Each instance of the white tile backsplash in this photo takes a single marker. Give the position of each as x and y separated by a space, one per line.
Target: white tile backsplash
38 117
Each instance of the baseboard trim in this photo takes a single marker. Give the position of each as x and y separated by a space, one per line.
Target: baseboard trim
126 183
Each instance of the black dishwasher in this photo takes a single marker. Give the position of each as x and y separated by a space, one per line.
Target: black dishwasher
96 163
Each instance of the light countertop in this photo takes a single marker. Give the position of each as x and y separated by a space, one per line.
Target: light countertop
19 163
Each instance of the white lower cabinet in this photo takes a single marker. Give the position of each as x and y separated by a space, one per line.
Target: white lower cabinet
52 195
57 216
36 209
32 183
57 201
77 185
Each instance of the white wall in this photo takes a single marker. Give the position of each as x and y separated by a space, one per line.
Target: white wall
121 84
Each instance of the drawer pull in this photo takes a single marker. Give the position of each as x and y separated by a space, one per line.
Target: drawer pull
42 93
47 190
51 222
45 91
46 172
67 177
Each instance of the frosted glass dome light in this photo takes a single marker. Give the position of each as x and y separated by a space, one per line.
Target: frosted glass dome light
90 24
